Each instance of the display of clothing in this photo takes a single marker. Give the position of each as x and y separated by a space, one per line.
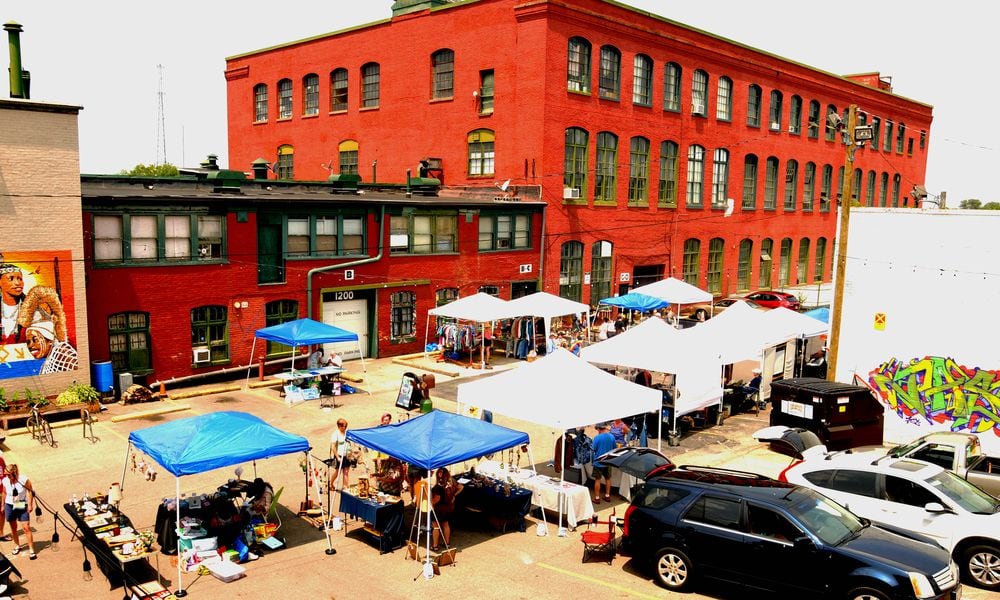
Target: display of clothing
458 337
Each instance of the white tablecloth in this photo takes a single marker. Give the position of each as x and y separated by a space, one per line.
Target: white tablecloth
546 491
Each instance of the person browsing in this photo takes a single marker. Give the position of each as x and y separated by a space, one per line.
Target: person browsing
604 442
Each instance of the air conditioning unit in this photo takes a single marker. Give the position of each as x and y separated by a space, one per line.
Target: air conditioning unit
775 126
571 193
200 355
698 109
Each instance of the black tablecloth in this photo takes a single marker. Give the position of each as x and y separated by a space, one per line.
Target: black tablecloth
135 571
491 502
387 519
166 524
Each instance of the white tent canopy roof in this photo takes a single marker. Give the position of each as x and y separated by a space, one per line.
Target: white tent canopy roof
738 333
478 307
781 323
675 291
559 391
544 304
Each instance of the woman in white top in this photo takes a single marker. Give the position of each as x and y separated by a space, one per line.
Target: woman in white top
18 503
339 447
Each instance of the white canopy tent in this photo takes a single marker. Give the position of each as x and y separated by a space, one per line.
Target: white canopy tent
674 291
478 308
781 324
736 334
559 391
547 306
656 346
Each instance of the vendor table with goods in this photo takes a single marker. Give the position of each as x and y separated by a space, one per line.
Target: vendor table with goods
546 491
297 384
201 518
498 501
121 552
382 515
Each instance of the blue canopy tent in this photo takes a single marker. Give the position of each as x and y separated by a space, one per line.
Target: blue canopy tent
433 440
821 314
208 442
305 332
636 301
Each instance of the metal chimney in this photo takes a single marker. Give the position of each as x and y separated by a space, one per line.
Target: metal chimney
20 80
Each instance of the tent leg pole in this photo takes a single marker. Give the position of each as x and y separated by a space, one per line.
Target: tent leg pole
330 550
561 532
253 348
181 592
121 482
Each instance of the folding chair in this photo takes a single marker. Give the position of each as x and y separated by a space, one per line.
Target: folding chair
598 540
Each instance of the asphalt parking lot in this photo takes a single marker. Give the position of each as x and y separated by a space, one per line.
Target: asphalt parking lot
490 564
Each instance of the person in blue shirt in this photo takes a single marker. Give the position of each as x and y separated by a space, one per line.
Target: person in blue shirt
604 442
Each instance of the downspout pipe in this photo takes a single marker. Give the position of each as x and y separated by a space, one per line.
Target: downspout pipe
353 263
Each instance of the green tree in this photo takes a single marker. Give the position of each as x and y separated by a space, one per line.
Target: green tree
141 170
991 206
971 203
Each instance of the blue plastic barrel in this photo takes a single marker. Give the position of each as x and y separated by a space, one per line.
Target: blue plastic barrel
103 376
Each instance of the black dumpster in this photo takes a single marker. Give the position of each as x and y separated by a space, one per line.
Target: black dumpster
842 415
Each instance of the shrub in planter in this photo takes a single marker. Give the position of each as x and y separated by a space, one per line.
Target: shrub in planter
79 393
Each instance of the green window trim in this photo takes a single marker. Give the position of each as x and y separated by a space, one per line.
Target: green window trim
129 342
277 312
667 192
503 232
638 179
575 165
134 237
402 317
324 234
210 331
601 254
691 263
571 270
423 233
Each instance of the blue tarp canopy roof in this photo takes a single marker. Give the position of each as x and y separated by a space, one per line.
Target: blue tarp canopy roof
213 441
636 301
822 313
438 439
305 332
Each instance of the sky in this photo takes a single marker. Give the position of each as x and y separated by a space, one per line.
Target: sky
117 58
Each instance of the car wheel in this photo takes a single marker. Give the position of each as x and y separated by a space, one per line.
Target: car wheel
982 566
673 569
866 593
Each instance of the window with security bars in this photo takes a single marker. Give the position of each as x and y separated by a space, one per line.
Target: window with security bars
642 80
754 100
802 274
791 184
310 94
809 186
260 103
210 329
638 172
129 342
578 65
771 183
724 100
338 90
750 166
744 265
667 194
443 74
785 262
720 178
605 176
600 271
716 252
766 262
402 316
571 270
696 176
609 80
285 99
691 261
575 162
672 74
820 266
277 312
370 83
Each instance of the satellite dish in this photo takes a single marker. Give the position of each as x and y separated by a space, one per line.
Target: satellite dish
503 186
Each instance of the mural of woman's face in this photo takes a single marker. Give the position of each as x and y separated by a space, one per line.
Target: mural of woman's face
38 345
11 286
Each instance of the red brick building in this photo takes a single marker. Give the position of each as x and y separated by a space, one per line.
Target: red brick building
637 131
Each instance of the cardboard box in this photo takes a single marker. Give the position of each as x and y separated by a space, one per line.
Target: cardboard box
227 571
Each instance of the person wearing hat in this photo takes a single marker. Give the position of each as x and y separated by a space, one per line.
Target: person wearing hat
42 344
604 442
11 297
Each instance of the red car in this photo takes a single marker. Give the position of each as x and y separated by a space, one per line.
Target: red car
771 299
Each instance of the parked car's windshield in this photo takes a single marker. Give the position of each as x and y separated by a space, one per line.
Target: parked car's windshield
963 493
827 520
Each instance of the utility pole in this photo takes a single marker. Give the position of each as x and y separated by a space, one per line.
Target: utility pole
161 125
854 134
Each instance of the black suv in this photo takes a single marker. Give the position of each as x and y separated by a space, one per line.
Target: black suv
769 535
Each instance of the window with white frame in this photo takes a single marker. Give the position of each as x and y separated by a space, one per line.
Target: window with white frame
310 94
720 178
285 99
600 271
480 143
260 103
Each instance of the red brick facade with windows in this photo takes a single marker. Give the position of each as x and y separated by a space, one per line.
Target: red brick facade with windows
525 45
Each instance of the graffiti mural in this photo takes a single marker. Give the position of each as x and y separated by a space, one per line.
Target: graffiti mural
938 390
37 328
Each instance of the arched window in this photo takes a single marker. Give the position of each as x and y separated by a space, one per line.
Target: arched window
802 272
766 262
819 269
338 90
348 153
716 251
480 153
870 191
809 186
638 172
642 80
443 74
795 116
402 316
370 84
285 99
828 123
814 119
724 100
310 94
771 183
744 265
791 184
754 99
578 66
876 133
575 162
699 93
691 261
776 112
667 195
609 82
260 103
720 178
857 194
286 162
571 270
605 177
672 74
695 176
896 180
900 137
600 271
883 190
826 188
750 166
785 262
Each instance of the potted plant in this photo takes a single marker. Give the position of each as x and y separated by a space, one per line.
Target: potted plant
81 393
